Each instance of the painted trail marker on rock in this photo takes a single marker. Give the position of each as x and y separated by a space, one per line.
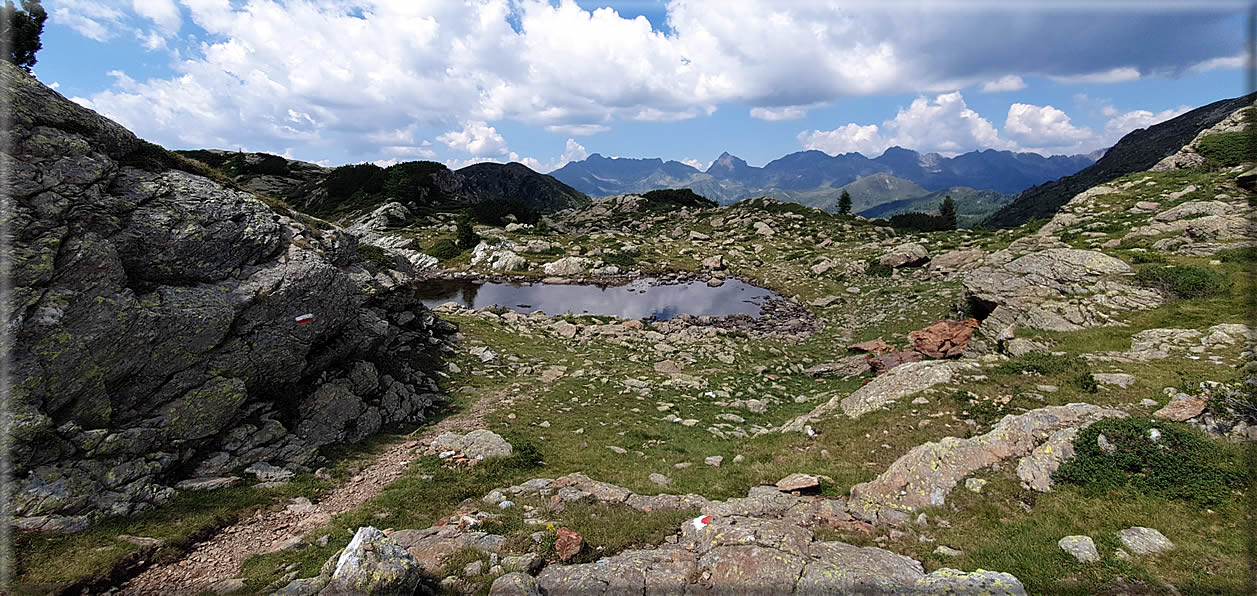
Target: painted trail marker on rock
701 521
306 318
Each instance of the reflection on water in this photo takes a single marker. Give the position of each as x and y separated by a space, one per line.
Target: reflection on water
635 300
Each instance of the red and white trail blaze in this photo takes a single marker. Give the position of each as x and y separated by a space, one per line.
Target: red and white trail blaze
701 521
306 318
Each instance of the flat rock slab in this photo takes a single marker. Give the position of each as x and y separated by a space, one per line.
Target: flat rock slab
925 475
1181 410
900 382
1144 541
1120 379
798 481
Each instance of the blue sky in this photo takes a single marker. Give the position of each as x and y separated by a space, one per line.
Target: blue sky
544 82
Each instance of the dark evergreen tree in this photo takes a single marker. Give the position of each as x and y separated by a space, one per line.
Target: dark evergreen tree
466 236
947 210
20 29
844 203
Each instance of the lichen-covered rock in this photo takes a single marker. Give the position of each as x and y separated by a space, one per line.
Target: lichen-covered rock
1035 470
905 255
568 266
515 584
157 322
1082 548
478 444
1144 541
499 256
372 564
926 474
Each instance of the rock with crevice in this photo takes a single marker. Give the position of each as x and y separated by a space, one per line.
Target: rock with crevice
926 474
901 381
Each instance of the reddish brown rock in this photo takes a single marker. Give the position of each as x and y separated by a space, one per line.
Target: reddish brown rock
886 362
798 481
1181 410
567 543
875 346
944 339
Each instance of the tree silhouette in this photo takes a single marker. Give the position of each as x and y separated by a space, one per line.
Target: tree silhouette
20 30
947 210
844 203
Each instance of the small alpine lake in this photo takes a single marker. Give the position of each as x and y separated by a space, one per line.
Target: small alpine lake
639 299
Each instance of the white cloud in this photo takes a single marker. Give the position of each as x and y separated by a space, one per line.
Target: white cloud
1115 75
1222 63
1042 126
90 18
845 139
1123 123
1005 83
574 72
782 113
476 138
696 164
162 12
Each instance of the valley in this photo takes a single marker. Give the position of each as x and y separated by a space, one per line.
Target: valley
1064 406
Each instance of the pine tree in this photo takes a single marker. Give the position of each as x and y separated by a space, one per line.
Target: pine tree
947 210
844 203
465 234
20 29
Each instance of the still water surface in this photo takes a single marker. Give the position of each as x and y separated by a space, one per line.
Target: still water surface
634 300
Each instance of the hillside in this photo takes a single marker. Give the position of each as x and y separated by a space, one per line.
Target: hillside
1135 152
810 177
972 206
422 186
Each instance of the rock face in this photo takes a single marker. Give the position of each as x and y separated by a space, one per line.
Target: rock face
372 229
568 266
1058 289
900 382
498 257
158 322
926 474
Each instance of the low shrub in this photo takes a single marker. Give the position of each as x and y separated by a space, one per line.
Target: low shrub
444 250
619 260
1044 363
1154 457
375 255
1227 149
1146 256
1243 254
878 270
667 199
1185 281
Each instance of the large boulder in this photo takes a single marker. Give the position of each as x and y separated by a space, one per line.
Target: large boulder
478 444
159 324
568 266
925 475
498 256
372 564
905 255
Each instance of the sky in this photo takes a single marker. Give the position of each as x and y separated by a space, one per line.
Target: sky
544 82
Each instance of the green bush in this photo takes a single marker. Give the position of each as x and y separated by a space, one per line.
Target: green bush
465 235
154 158
878 270
1227 149
494 212
444 250
1085 381
1180 464
620 260
1243 254
668 199
1146 256
1185 281
916 221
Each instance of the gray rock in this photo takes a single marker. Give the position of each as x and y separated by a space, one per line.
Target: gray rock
207 483
926 474
947 551
515 584
798 481
1144 541
714 461
267 473
1080 547
846 367
568 266
1120 379
905 255
897 383
660 479
478 444
372 563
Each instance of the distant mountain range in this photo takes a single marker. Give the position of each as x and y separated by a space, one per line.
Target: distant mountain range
815 178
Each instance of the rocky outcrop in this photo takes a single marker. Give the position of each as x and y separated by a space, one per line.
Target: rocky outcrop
944 339
1058 289
905 255
373 229
499 256
925 475
167 326
373 564
568 266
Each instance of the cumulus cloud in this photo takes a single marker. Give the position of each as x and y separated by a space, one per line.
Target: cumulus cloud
696 164
1221 63
845 139
476 138
1043 126
1122 123
574 72
1005 83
